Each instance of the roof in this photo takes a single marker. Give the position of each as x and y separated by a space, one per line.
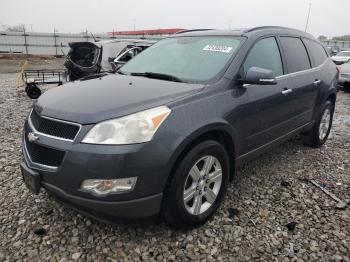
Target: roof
245 31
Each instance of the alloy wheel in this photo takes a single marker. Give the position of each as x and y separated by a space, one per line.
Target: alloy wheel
324 124
202 185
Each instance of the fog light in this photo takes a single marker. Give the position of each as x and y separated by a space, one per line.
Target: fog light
108 186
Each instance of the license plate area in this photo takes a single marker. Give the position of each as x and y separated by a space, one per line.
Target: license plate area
31 179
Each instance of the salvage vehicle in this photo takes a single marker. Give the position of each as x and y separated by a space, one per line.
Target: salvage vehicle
341 57
163 137
88 58
344 75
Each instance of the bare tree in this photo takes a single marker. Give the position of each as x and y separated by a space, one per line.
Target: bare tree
342 38
322 37
15 28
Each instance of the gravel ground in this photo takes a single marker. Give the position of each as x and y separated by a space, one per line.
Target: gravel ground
267 194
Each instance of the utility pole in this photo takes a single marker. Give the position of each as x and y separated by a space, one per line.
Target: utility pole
55 40
308 17
229 24
25 39
134 24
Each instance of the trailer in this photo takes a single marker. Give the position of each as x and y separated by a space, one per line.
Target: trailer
34 78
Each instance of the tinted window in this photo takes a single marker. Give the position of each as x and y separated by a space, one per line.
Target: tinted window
265 54
317 53
295 53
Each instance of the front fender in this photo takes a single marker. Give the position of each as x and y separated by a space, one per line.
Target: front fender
184 142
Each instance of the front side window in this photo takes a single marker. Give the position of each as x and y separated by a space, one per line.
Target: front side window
294 50
316 51
195 59
265 54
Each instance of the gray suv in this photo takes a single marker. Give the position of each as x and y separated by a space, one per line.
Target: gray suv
162 138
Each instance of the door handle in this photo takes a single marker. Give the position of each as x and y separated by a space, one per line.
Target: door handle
317 82
286 91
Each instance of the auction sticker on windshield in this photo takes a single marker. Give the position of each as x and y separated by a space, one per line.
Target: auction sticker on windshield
217 48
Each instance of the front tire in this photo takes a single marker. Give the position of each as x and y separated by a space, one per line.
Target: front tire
198 186
319 133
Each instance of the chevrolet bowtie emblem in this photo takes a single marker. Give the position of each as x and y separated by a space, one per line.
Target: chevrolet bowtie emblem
32 137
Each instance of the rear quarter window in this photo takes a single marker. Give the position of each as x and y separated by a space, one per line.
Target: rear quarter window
295 53
317 53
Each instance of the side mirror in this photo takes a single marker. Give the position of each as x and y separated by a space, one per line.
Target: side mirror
259 76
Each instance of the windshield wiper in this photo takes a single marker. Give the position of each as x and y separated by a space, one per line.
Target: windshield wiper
158 76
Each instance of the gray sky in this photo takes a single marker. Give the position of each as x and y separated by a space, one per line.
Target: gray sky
327 17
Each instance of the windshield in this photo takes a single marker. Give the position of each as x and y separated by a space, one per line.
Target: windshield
344 53
195 59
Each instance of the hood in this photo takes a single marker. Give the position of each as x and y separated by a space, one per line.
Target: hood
107 97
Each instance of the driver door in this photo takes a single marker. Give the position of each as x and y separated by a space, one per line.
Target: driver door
265 117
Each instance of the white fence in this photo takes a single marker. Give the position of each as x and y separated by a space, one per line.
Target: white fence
47 43
57 43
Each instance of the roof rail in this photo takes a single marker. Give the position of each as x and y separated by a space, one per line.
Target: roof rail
192 30
268 27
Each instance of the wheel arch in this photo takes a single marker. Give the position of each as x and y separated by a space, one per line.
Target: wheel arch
331 97
221 133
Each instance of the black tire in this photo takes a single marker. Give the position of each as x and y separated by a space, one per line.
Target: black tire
312 138
174 211
33 91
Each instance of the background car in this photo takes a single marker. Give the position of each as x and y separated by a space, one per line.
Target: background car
88 58
333 50
344 75
341 57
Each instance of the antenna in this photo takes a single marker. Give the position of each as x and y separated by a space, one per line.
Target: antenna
308 17
93 37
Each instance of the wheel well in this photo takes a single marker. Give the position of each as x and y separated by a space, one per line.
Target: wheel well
332 98
218 135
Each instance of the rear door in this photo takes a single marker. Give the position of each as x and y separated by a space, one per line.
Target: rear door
303 80
265 117
318 56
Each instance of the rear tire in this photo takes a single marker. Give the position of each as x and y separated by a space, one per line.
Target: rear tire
319 133
196 192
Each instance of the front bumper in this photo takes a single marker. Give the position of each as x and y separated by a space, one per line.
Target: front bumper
149 162
109 211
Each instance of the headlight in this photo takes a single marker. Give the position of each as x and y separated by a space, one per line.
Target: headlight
136 128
